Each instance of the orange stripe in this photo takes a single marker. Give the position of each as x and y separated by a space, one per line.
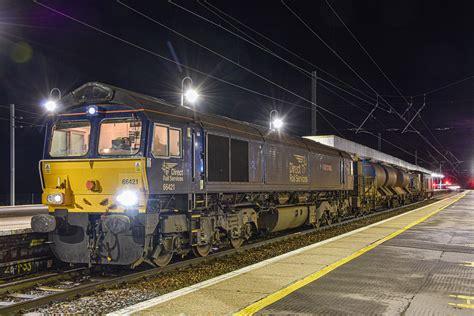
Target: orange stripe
104 112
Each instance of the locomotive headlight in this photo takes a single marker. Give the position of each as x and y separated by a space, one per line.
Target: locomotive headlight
127 198
57 198
92 110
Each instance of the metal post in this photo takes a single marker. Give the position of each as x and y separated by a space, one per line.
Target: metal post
314 109
12 154
440 179
182 88
271 118
379 141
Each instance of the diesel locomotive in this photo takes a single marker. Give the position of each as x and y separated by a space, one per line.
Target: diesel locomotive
129 178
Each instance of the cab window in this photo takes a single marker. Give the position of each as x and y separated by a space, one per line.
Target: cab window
120 137
166 141
160 141
70 139
175 142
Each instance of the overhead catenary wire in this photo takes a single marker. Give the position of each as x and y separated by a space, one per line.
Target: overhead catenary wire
23 122
380 123
431 91
218 54
164 57
366 52
445 86
274 43
267 50
359 76
228 59
282 47
410 104
258 45
333 51
201 72
20 110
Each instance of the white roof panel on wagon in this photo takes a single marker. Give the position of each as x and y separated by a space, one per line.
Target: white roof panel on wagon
364 152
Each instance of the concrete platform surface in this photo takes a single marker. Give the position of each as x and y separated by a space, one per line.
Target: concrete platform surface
15 225
427 270
369 270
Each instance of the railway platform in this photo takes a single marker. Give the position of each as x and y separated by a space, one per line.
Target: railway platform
15 225
15 220
419 262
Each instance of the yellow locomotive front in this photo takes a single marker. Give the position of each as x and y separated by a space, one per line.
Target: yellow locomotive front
95 184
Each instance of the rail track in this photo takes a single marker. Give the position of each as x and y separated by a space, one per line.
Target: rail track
47 294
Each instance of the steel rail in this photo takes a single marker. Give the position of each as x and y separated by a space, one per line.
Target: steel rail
19 285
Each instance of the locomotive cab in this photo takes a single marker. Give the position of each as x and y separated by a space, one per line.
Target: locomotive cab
94 181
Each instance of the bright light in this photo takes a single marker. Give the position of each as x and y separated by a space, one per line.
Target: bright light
58 198
277 123
127 198
55 198
191 95
91 110
437 175
50 105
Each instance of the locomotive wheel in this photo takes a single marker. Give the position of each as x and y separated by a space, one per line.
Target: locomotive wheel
236 242
328 220
163 259
317 224
201 251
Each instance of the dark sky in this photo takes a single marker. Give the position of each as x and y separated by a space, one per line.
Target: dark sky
420 45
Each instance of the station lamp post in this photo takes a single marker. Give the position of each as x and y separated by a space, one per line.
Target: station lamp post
12 154
52 103
276 123
189 94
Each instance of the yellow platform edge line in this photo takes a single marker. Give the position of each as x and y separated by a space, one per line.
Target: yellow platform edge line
272 298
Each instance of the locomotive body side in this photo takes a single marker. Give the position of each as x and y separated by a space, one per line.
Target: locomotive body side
142 180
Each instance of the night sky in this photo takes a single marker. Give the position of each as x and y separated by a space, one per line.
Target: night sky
420 45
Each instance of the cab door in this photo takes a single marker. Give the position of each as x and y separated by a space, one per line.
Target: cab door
170 172
198 159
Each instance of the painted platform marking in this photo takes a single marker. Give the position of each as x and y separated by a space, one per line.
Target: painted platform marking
278 295
468 300
467 263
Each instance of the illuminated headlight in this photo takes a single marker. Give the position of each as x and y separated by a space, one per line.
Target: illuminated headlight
127 198
57 198
92 110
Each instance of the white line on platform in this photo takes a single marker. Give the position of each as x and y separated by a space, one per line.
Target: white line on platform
190 289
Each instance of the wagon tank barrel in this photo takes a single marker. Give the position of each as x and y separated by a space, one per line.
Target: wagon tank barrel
403 178
391 176
284 218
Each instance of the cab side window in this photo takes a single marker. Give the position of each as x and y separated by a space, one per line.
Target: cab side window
160 141
167 141
175 142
